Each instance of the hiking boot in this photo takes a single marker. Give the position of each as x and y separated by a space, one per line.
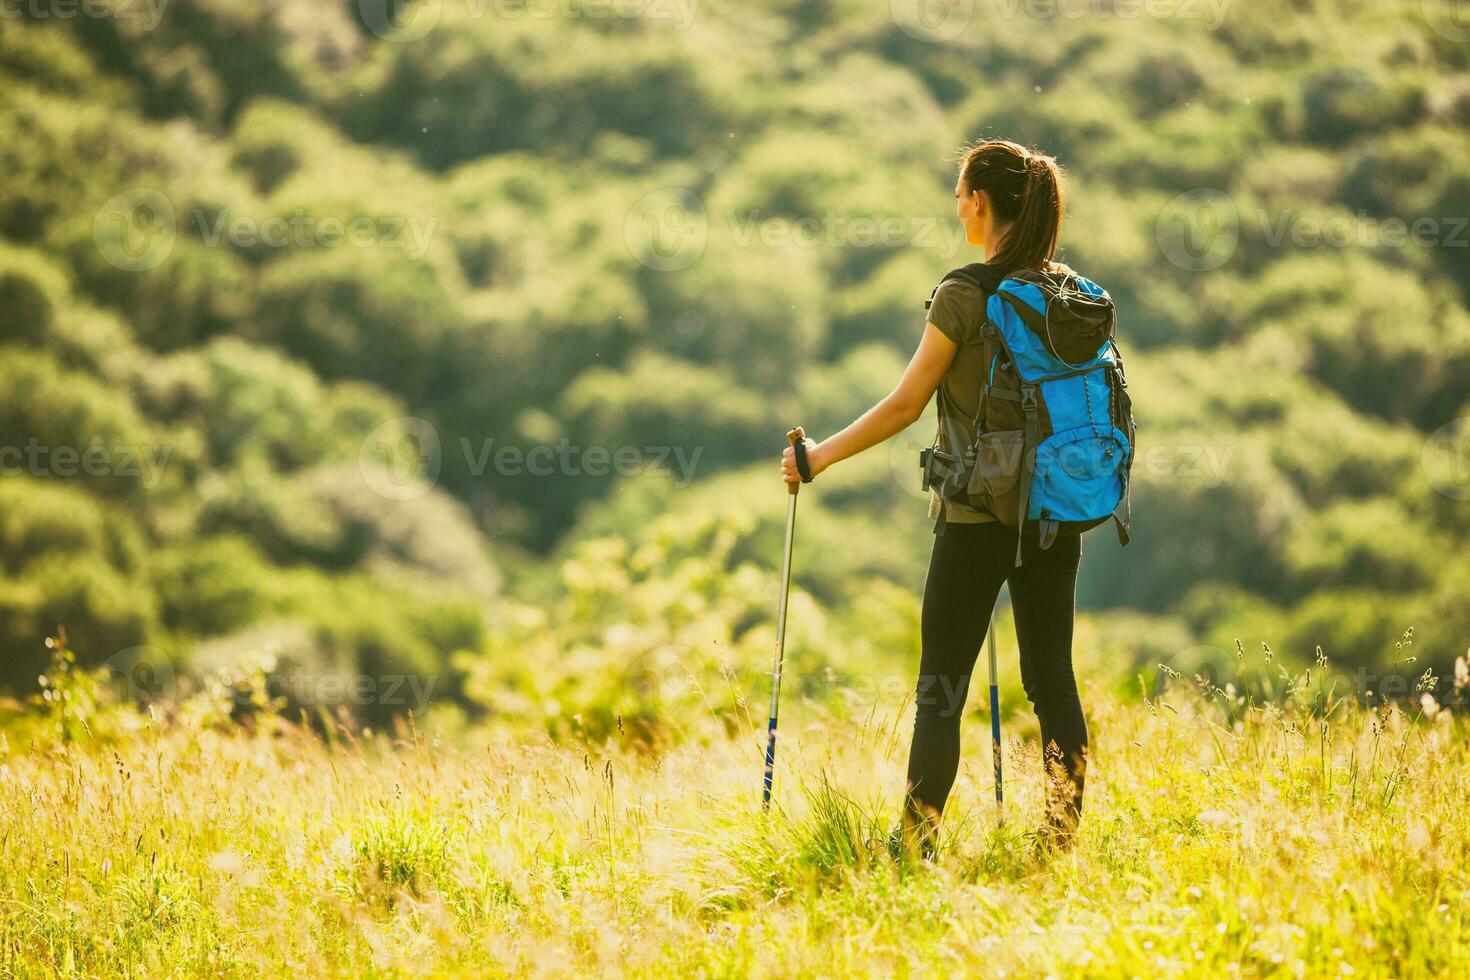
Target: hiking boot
898 848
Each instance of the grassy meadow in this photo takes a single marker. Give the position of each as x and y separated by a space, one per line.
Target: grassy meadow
1292 835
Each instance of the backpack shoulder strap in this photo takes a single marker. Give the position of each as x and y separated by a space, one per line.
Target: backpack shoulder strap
982 275
977 273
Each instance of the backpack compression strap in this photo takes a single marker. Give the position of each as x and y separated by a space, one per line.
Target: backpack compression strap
1124 523
1029 440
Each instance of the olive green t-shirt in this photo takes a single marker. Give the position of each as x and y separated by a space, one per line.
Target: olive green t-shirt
958 310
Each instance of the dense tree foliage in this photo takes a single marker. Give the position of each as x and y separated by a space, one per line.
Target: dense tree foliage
314 327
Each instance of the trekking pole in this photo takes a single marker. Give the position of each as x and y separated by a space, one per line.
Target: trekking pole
794 437
1000 815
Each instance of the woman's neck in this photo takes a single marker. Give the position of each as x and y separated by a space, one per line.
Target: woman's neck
994 241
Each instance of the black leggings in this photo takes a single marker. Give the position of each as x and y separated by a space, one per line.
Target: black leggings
966 570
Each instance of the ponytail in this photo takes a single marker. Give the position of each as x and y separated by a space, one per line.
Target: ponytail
1025 189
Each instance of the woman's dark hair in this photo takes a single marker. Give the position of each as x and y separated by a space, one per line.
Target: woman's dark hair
1025 189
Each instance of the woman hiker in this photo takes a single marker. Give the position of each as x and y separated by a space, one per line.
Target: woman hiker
1009 200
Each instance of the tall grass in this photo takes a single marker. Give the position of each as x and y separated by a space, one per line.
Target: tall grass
1223 834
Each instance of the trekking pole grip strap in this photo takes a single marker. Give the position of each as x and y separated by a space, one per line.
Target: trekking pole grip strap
797 438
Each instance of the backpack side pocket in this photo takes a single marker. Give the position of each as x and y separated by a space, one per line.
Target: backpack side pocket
995 482
1003 407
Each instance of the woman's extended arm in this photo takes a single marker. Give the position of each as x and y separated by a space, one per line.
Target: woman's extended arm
900 408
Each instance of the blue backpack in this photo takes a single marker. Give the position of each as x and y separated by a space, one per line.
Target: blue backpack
1054 426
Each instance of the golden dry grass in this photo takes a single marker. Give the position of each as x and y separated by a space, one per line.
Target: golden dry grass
1277 844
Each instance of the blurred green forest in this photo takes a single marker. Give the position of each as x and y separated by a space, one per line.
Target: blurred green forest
577 227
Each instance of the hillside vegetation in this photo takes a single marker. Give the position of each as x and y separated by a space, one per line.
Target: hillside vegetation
674 236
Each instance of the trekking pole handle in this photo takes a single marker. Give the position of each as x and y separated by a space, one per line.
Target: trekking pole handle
797 438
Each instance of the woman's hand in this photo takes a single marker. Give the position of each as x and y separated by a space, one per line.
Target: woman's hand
814 461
